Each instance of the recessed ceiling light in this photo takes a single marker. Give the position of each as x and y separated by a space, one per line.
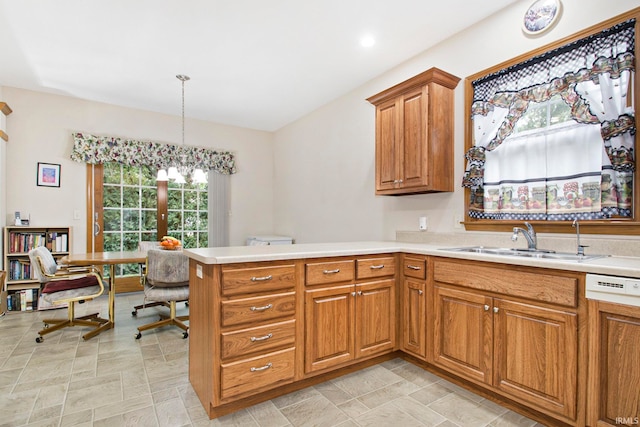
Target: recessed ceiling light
367 41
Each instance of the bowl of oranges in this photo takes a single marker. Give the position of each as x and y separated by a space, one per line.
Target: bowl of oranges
170 243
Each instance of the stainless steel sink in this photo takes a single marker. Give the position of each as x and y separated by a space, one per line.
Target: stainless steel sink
529 253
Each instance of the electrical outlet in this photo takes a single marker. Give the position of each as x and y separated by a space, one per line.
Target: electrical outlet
457 219
76 214
423 223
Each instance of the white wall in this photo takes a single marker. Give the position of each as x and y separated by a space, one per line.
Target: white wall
40 130
324 163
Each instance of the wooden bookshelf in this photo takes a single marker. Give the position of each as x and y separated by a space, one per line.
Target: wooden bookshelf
17 242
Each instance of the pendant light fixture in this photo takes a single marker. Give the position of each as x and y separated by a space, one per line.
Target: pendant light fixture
178 172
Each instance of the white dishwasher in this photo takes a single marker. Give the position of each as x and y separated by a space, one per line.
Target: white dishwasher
620 290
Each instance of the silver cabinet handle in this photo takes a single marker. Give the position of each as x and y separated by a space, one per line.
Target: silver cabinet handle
486 307
353 294
413 267
359 292
266 337
262 368
377 267
261 279
337 270
263 308
496 309
420 292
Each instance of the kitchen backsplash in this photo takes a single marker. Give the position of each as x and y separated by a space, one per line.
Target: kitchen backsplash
596 245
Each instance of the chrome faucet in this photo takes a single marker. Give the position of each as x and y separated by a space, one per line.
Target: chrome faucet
529 234
576 224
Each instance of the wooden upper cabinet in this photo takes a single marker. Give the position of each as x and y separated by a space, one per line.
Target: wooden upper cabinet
414 135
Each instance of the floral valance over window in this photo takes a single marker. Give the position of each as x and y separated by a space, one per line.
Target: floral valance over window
102 149
582 167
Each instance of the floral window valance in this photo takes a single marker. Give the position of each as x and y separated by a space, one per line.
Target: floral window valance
550 175
102 149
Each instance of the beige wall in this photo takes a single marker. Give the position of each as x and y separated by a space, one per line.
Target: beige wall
324 163
40 130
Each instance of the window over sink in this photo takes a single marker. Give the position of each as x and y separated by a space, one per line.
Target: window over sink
551 138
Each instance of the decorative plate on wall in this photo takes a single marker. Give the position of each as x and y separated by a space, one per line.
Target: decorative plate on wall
541 16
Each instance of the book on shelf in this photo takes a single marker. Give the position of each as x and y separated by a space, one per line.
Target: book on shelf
57 241
24 300
20 269
22 242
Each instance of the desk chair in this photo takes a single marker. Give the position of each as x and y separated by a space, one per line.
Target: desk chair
144 246
61 286
167 280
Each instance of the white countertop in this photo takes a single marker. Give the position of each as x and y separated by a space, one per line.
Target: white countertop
615 265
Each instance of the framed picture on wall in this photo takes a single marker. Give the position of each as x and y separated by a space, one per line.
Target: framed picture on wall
48 175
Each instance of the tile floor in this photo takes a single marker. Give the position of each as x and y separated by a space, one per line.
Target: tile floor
115 380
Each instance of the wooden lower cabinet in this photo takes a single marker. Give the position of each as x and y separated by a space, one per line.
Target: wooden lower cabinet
347 322
518 334
614 365
375 317
535 355
330 327
526 351
414 306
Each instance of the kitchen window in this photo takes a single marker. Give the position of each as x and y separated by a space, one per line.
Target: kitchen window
551 139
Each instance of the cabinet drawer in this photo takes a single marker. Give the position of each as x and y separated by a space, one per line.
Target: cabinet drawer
330 272
414 267
257 374
375 267
257 279
258 309
262 338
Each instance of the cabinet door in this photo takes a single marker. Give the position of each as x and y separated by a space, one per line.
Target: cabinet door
414 317
463 333
535 355
329 327
375 317
387 145
413 156
615 365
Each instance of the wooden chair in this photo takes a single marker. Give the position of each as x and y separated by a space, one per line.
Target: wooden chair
61 286
167 280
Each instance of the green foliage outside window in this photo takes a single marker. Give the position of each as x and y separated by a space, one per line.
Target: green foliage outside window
130 210
541 115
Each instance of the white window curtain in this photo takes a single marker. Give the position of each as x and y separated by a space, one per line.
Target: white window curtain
219 192
580 171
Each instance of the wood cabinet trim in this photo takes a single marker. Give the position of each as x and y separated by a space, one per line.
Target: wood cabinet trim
432 75
543 285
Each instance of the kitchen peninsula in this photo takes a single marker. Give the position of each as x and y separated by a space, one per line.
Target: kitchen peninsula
268 320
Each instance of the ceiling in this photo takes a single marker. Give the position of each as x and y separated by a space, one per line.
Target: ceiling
258 64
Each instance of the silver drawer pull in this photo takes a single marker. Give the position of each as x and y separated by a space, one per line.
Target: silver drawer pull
377 267
262 368
261 279
413 267
263 308
266 337
337 270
